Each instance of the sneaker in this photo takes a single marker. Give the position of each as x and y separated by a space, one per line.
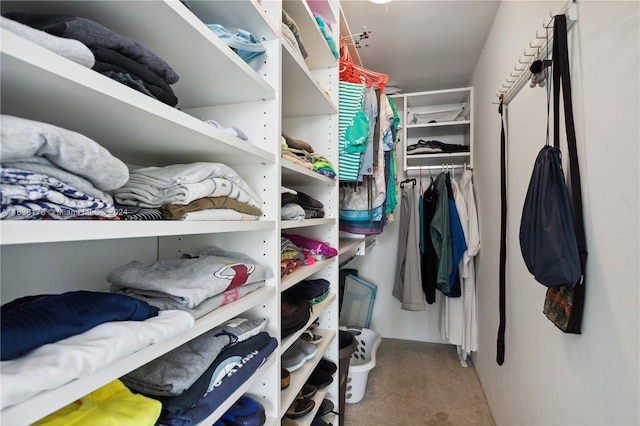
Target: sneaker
292 359
309 349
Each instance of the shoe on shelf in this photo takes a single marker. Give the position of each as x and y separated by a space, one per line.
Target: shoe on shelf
286 421
299 407
285 378
320 378
309 349
328 366
292 359
308 336
319 421
325 407
308 390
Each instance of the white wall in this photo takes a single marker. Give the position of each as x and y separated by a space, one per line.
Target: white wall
378 267
550 378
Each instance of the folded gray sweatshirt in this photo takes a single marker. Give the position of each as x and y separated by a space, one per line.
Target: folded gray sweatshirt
23 139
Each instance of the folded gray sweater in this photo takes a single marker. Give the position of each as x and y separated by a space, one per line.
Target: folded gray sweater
92 34
190 280
23 139
71 49
174 372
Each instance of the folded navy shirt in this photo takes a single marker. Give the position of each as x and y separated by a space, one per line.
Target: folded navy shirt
180 404
32 321
241 372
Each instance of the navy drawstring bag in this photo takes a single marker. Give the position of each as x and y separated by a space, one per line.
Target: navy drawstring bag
547 233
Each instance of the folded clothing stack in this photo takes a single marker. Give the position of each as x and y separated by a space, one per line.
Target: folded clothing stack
116 56
195 191
230 369
48 172
290 28
312 208
196 283
51 339
430 147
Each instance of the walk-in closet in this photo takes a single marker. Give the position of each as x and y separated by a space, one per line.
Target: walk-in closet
319 212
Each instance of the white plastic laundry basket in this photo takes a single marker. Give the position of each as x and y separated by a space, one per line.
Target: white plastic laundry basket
362 362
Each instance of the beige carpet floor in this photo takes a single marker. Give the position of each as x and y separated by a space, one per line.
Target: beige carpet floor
417 383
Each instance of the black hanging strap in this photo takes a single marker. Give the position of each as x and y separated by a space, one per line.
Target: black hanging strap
562 76
503 238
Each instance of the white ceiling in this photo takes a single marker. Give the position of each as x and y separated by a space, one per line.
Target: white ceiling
422 44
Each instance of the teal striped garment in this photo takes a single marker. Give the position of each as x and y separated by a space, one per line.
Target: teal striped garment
351 101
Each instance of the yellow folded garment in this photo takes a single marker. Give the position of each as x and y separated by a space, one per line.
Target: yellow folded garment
112 404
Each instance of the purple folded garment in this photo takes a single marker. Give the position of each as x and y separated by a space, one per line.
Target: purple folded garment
311 244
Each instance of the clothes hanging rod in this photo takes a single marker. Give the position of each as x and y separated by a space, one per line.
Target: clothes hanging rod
368 243
541 49
439 166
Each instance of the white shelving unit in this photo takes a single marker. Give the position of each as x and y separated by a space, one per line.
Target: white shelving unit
459 131
280 92
310 113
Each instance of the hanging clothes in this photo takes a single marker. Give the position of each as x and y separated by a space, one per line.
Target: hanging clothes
458 242
451 323
428 258
407 285
459 320
351 102
467 269
441 236
371 111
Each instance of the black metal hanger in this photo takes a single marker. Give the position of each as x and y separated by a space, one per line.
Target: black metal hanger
412 180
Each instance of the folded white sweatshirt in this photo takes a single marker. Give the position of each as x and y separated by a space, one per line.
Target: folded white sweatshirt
54 364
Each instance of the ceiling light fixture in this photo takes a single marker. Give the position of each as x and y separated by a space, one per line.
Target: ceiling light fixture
380 1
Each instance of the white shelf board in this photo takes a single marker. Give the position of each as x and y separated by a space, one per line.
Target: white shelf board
325 8
46 231
292 224
293 174
40 85
230 79
347 245
300 376
48 401
438 97
446 124
302 272
438 156
320 55
297 80
247 15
